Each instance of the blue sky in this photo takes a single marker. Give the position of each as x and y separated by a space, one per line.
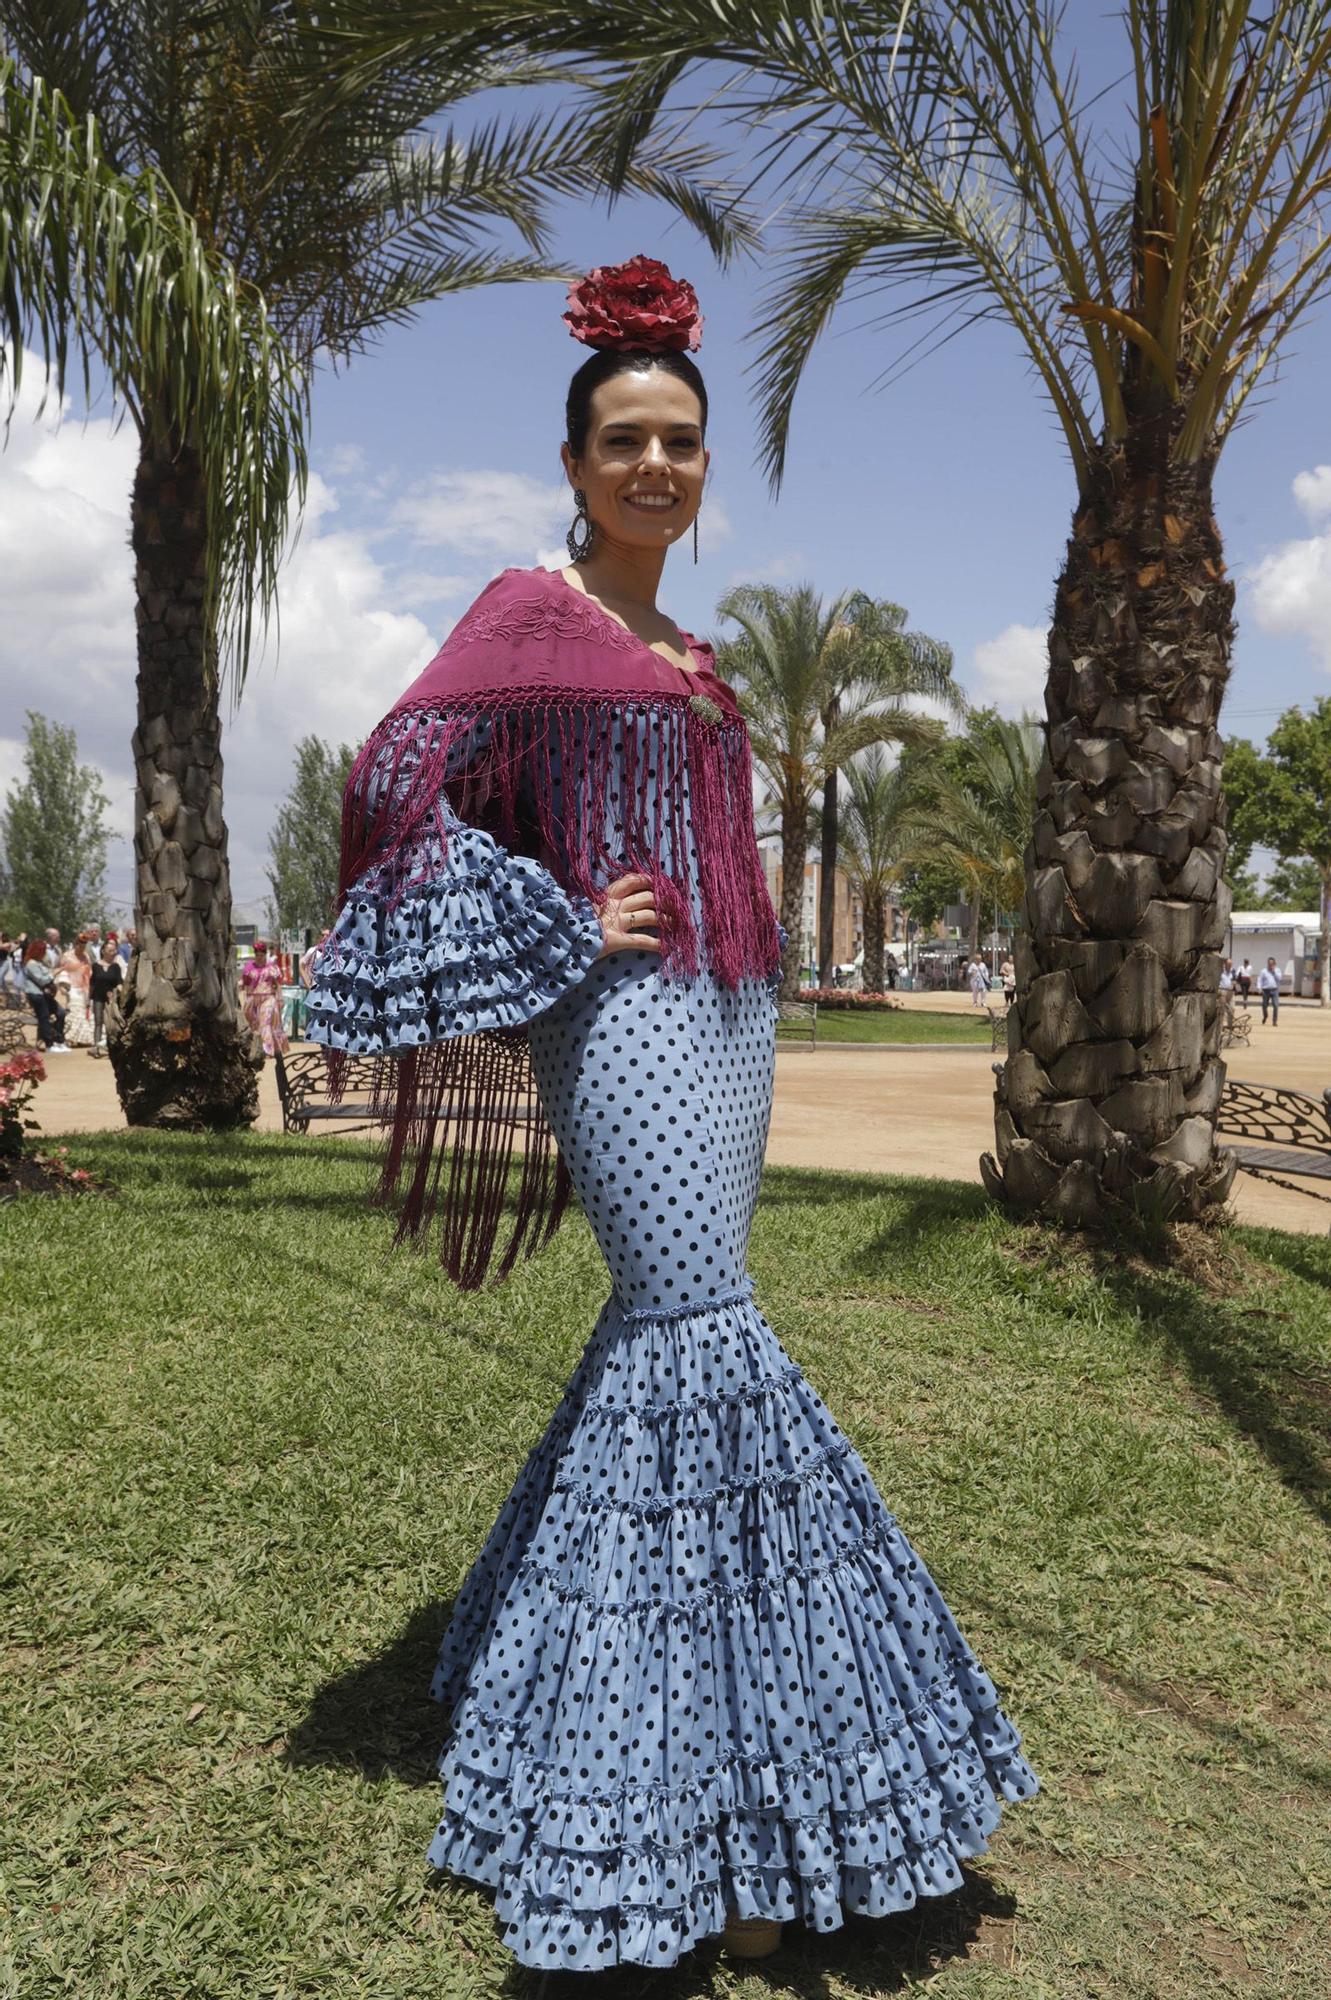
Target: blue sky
436 462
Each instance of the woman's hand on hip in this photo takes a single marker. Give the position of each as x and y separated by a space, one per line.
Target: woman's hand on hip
628 916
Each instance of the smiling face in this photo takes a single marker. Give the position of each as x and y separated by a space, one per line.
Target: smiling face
644 462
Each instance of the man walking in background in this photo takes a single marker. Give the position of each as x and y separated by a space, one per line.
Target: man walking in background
1268 985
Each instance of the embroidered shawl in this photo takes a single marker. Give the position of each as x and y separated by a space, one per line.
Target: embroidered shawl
546 724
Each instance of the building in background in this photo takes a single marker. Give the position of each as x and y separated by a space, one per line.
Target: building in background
1291 937
848 922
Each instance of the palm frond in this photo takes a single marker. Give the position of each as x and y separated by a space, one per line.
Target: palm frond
100 268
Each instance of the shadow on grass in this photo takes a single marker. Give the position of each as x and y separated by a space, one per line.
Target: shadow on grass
378 1717
1235 1354
1231 1348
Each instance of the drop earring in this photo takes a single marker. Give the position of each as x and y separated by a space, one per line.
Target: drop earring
695 537
578 540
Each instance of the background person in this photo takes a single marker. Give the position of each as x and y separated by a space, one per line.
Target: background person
107 974
76 966
39 985
261 999
1243 979
1268 985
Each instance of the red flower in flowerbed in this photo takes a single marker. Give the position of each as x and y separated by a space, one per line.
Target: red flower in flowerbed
848 999
636 306
21 1171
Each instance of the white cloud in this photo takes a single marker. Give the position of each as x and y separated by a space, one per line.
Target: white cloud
1289 590
784 566
506 517
342 654
1011 669
1312 491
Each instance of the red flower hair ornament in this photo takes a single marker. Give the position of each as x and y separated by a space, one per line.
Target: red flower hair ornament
636 308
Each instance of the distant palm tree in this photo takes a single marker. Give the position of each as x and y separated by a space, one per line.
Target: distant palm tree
798 660
881 830
336 211
981 809
911 663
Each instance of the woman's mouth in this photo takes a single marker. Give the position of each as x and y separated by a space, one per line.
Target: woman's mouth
651 503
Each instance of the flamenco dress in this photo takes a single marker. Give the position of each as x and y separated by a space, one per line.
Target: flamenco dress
697 1668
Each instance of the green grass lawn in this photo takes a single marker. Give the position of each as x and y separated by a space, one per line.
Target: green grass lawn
901 1025
248 1460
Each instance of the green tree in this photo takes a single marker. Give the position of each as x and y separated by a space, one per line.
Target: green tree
909 663
54 834
316 212
1296 884
798 660
304 845
981 812
880 828
929 883
1283 801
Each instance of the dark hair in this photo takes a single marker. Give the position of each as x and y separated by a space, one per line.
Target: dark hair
603 366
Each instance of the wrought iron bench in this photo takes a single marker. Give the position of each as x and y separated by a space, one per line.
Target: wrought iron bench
302 1087
802 1016
1293 1130
15 1016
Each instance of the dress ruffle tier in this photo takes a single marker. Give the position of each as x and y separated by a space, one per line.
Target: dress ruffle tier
487 940
698 1669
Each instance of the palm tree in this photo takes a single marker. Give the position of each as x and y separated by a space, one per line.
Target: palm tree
1152 248
797 661
333 208
981 809
911 664
103 267
880 834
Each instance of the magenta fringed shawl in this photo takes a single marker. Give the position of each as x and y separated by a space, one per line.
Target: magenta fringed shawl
556 677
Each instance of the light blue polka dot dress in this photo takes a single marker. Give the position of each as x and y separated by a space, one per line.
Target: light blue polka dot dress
697 1669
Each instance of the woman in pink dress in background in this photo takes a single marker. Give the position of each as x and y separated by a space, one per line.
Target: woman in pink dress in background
261 999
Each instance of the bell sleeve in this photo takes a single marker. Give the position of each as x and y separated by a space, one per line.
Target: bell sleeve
462 935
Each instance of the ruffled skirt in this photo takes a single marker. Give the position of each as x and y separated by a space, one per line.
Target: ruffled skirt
697 1668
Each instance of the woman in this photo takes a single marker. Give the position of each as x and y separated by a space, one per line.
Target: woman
106 976
697 1680
979 982
261 999
76 965
39 985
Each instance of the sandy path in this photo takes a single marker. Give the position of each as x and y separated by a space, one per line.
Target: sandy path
867 1108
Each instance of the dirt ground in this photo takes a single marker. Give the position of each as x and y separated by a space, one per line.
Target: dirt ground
868 1107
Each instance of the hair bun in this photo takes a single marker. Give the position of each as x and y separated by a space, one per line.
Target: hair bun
635 308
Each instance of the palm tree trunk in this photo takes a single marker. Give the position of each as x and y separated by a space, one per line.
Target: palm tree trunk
794 840
1108 1099
827 882
875 933
181 1053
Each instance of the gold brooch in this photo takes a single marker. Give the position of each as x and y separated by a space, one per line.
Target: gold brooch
705 708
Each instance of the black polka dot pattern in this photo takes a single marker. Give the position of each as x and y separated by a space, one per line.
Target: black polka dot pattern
697 1668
